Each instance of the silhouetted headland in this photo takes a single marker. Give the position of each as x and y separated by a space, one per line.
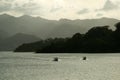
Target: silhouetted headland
100 39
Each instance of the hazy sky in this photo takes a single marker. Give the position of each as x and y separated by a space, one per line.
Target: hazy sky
56 9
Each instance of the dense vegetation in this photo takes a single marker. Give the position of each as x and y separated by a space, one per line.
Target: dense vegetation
98 39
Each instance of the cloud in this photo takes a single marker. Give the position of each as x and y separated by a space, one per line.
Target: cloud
83 11
109 5
55 9
5 6
99 14
27 8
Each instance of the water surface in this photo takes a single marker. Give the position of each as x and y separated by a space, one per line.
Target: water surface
30 66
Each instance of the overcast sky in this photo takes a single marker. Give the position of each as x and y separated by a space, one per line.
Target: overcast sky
56 9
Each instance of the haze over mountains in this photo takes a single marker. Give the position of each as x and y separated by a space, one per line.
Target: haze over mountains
10 43
15 31
44 28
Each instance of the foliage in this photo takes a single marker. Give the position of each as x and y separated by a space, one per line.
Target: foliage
99 39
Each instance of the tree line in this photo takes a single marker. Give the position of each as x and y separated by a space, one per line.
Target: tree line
100 39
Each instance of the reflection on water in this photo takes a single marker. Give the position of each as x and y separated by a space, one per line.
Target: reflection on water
29 66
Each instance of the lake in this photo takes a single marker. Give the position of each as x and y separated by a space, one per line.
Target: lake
30 66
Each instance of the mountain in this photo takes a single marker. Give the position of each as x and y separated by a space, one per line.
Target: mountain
100 39
10 43
3 34
44 28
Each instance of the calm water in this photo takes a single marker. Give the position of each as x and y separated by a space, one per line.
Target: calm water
29 66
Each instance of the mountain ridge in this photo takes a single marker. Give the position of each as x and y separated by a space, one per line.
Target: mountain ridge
10 43
45 28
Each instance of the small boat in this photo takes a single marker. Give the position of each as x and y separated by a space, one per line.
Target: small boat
84 58
56 59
